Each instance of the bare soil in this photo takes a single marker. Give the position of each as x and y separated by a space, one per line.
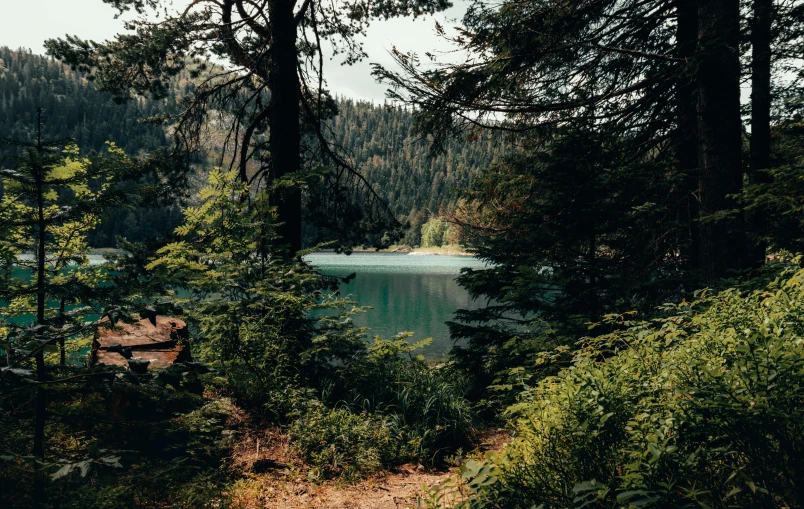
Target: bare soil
273 480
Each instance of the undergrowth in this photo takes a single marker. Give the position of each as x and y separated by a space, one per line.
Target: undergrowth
701 408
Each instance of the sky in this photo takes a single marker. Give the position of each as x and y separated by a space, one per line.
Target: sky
28 23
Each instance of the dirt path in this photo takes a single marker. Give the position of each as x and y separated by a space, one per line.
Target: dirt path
392 491
280 487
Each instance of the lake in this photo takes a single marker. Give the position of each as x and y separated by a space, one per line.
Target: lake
415 293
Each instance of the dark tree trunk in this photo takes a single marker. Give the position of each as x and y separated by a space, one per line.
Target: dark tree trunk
722 243
41 370
686 138
593 302
62 352
760 115
39 439
285 141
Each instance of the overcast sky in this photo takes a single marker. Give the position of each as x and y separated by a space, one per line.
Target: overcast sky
27 23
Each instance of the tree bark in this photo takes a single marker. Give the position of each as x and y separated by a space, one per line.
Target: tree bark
285 143
41 296
761 39
687 132
722 243
62 352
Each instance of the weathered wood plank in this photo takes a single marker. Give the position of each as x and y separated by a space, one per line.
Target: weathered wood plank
161 344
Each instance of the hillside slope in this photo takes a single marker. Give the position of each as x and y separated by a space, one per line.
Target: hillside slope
376 138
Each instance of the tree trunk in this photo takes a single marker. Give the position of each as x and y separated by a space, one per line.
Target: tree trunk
62 352
41 371
760 115
285 140
593 299
687 133
722 243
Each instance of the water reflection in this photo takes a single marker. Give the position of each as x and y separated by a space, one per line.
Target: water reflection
407 293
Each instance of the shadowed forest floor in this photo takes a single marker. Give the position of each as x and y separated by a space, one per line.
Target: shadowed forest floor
271 479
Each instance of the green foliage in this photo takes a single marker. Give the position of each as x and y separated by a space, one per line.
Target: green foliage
50 203
778 194
51 298
340 443
438 232
125 443
571 228
700 409
389 408
74 109
249 302
425 403
252 307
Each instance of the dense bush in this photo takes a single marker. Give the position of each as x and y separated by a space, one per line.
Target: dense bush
250 302
569 232
437 232
427 403
386 407
339 443
701 409
352 408
115 444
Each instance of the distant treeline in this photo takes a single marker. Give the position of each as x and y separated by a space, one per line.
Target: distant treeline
73 108
416 184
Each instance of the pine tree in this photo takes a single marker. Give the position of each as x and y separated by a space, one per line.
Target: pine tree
51 200
275 78
650 85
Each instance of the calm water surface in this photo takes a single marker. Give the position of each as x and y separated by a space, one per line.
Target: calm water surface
416 293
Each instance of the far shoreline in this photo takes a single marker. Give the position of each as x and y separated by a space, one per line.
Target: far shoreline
451 250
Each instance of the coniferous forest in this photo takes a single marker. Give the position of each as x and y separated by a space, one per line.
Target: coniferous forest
627 173
416 184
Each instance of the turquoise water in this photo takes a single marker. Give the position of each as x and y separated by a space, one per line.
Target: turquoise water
416 293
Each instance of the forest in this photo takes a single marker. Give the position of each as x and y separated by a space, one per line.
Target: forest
629 173
416 184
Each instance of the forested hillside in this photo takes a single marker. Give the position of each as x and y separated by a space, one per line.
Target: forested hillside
415 183
376 138
72 107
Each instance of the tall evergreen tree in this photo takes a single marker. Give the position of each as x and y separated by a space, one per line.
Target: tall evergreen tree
723 244
658 82
572 228
47 209
637 69
274 50
394 162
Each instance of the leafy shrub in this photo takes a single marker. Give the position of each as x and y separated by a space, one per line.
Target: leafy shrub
390 408
251 303
339 443
437 232
426 403
254 311
701 409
